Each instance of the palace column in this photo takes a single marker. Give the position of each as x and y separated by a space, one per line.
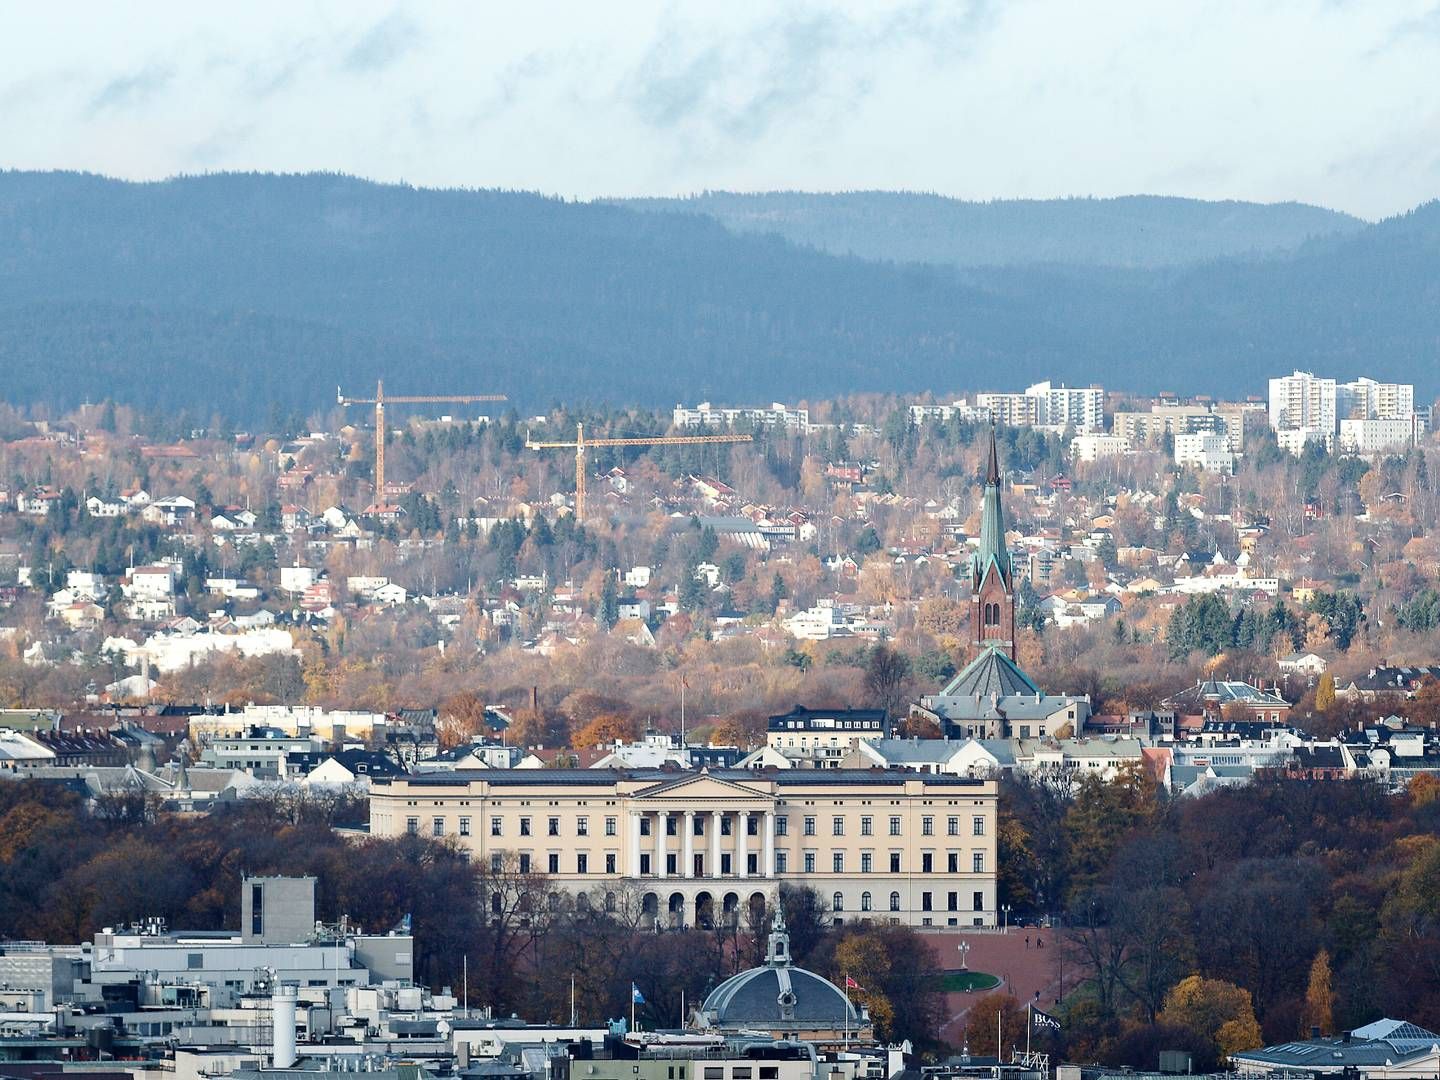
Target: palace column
688 845
742 844
768 863
634 839
660 820
714 867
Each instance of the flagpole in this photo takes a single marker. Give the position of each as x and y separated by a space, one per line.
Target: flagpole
1029 1024
999 1036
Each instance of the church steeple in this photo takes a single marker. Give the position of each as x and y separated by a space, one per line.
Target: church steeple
992 521
992 579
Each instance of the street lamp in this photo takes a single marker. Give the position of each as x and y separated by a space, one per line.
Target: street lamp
963 947
1005 921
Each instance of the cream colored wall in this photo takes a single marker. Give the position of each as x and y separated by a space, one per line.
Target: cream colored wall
584 817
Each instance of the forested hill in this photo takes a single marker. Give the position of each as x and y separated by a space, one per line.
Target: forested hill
1134 231
235 292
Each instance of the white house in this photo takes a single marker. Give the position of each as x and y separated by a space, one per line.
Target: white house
389 593
153 582
96 506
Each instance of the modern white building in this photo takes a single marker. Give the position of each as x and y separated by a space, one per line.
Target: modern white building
1206 451
1366 399
1294 440
1088 448
1043 405
959 409
707 415
1366 437
1303 401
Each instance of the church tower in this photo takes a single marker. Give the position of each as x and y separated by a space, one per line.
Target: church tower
992 577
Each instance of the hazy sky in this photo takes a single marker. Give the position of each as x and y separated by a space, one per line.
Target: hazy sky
1335 102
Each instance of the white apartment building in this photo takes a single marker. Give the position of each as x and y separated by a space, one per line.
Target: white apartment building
1303 401
1366 399
1293 440
1044 405
1374 436
1088 448
1204 450
707 415
697 848
959 409
1162 420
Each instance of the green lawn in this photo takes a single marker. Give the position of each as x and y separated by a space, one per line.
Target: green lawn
964 981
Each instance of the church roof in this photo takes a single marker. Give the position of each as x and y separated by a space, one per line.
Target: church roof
992 523
990 673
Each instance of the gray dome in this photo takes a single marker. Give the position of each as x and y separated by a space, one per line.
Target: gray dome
778 995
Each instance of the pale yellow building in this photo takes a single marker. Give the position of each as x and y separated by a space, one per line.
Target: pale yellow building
691 847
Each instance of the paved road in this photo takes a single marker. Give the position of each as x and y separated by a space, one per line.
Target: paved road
1022 968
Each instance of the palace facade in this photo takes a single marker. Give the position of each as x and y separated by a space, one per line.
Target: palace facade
917 849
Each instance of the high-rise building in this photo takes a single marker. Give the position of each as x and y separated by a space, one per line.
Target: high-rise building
1366 399
1302 400
1043 405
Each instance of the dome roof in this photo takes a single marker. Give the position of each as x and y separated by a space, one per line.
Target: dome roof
774 995
779 994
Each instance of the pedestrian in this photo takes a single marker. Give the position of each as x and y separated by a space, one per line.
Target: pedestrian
1039 943
1027 941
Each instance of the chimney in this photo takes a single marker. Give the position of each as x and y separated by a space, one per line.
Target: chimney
282 1006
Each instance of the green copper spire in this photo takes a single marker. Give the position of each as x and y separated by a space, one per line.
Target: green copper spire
992 522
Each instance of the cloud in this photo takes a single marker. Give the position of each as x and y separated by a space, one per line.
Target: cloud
384 43
823 61
125 91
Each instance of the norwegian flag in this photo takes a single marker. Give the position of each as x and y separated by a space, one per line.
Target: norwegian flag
851 984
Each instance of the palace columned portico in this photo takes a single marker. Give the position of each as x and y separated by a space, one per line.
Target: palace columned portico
695 848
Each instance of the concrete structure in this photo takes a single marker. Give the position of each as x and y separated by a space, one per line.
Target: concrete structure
276 910
694 848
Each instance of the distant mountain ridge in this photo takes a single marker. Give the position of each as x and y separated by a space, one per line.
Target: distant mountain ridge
1133 231
236 292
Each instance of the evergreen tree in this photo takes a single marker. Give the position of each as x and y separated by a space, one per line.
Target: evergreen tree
608 613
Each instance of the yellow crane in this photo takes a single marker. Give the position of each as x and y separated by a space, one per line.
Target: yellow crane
379 401
580 444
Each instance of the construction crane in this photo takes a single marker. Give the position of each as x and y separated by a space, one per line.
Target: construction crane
581 444
379 401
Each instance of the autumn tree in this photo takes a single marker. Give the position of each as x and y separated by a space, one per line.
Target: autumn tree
533 727
462 717
1319 998
606 729
1325 693
1217 1009
980 1027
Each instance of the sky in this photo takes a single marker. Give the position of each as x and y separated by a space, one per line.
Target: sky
1333 102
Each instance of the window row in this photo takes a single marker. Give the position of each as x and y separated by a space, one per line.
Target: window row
672 826
727 863
927 901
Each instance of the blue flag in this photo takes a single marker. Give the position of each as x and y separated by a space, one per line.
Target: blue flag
635 995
